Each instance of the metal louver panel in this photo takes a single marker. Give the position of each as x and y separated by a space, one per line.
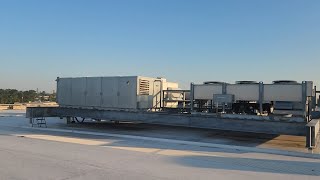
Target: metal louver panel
144 86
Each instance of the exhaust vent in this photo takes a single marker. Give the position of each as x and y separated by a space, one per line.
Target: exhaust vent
144 87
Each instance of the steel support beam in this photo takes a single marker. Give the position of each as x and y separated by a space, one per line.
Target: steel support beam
260 125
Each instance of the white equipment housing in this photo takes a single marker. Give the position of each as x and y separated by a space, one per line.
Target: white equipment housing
283 95
127 92
250 92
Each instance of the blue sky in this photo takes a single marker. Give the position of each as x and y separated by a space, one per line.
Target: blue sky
182 40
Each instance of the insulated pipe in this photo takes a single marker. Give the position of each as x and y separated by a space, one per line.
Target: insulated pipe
161 90
191 96
224 88
57 93
304 99
315 89
101 92
315 94
261 94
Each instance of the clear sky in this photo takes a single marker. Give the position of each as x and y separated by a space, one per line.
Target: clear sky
182 40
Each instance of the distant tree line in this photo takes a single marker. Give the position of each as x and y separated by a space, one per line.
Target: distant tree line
10 96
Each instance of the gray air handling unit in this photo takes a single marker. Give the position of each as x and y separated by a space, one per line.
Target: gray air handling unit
119 93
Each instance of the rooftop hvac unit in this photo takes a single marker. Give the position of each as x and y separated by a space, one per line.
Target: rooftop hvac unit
128 92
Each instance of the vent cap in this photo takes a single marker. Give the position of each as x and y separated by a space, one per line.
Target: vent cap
285 82
247 82
213 82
